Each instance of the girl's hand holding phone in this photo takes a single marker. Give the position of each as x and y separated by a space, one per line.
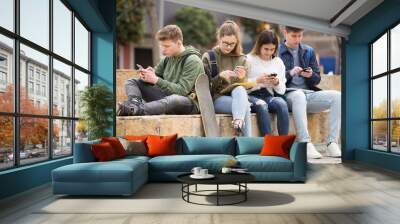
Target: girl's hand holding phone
240 72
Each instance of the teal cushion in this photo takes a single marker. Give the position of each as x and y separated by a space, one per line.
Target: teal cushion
257 163
111 171
185 163
207 145
249 145
83 152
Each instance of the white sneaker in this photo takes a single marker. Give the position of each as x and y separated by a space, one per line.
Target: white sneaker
312 153
333 150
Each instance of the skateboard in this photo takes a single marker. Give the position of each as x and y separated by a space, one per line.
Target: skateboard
206 106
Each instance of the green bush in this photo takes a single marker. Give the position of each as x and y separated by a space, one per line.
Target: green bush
130 20
198 26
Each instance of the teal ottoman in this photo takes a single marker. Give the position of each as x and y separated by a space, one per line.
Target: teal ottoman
118 177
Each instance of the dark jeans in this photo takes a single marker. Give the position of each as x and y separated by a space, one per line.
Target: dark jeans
262 102
157 101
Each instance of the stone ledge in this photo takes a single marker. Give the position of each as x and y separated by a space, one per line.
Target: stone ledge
191 125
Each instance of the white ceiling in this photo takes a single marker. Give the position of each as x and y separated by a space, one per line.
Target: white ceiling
316 15
320 9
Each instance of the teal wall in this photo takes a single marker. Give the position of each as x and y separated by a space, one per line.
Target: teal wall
355 81
99 16
24 178
103 53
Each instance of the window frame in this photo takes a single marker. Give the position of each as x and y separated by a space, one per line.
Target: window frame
3 70
388 74
16 114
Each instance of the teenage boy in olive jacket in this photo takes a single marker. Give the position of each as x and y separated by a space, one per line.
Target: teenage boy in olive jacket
166 89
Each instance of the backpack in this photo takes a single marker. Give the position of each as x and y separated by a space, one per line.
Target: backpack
213 62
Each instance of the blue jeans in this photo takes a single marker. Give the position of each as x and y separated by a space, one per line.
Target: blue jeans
238 105
305 101
262 104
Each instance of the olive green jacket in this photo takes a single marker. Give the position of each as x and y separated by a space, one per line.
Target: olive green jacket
177 76
224 62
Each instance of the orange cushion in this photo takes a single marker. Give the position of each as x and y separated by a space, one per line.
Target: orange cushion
277 145
103 151
161 145
116 145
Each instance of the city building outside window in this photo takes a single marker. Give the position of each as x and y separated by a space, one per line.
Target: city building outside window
56 127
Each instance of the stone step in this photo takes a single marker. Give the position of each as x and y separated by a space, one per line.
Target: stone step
191 125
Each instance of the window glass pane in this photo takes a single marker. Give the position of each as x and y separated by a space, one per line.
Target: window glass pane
35 21
62 89
6 142
34 72
395 47
6 74
395 95
395 136
379 55
379 97
62 138
81 81
379 135
7 14
62 29
81 45
81 131
33 139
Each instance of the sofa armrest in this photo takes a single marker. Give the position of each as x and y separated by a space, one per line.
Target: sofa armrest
298 155
83 152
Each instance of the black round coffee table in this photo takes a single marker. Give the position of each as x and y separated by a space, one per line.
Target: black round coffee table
238 179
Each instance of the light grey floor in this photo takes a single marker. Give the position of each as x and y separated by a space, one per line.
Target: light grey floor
379 189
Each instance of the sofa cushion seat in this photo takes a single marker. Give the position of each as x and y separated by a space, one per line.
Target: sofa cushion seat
184 163
257 163
113 171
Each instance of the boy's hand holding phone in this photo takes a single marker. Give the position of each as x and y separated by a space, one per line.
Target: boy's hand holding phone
140 70
306 72
148 75
295 71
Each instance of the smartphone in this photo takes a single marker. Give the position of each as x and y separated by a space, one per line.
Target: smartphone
273 75
306 69
139 66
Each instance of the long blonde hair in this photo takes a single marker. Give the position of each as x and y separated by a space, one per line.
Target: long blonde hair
229 28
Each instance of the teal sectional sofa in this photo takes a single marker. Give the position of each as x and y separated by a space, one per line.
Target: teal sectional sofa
125 176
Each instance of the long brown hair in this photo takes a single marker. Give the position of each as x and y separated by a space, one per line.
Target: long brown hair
265 37
229 28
